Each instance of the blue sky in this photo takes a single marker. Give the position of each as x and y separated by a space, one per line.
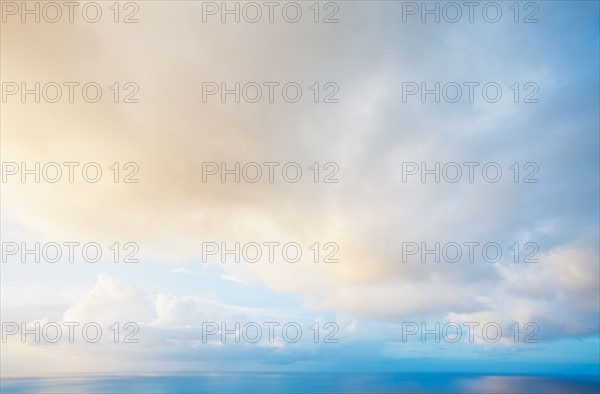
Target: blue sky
370 214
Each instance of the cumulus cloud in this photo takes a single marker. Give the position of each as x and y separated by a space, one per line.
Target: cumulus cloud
110 301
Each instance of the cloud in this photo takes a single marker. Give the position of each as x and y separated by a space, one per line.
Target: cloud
110 301
559 294
370 212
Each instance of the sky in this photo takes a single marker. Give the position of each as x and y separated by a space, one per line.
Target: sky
478 134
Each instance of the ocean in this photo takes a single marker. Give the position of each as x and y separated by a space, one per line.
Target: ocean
261 382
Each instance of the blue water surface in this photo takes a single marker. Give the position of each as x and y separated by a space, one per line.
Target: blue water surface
262 382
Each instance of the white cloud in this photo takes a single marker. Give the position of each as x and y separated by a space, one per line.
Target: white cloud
110 301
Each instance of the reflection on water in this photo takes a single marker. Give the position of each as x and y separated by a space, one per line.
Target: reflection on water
302 383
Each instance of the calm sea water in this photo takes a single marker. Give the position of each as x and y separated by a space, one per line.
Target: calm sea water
301 383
